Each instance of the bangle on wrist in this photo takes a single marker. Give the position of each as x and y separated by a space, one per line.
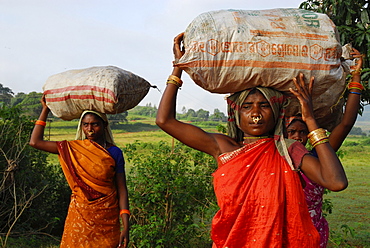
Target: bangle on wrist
41 123
357 93
355 85
124 211
176 79
317 136
173 82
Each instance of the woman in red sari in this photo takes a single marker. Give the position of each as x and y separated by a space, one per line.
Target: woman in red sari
257 185
94 169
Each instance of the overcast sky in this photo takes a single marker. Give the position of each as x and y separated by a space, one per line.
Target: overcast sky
40 38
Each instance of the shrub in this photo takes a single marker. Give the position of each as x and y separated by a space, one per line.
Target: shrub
171 195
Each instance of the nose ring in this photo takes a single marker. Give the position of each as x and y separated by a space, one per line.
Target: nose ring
256 119
90 132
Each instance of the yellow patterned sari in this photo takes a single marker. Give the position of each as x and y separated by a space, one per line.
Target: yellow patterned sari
93 214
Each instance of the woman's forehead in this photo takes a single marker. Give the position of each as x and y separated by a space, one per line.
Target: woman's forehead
91 117
255 96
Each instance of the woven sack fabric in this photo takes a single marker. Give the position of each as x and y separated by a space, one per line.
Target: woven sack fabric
231 50
106 89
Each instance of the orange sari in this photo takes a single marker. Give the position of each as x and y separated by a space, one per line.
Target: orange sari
261 201
92 219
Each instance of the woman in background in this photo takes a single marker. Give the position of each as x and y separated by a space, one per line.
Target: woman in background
94 169
298 130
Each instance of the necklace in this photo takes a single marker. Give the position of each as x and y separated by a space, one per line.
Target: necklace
255 137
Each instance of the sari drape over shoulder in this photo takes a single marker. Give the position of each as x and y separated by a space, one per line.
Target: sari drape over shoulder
92 219
261 201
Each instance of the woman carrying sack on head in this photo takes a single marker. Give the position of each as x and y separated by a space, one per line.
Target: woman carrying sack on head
94 169
257 186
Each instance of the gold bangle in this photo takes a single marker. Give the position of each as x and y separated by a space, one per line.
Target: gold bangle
320 142
41 123
317 135
176 79
124 211
316 132
173 82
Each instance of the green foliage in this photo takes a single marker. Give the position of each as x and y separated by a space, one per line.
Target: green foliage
327 205
171 195
117 118
147 110
365 142
33 194
341 238
6 95
218 116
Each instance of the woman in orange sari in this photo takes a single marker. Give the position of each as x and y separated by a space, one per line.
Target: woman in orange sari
94 169
257 186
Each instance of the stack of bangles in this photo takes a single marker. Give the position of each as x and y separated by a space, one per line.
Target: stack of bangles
357 86
172 79
41 123
124 211
318 137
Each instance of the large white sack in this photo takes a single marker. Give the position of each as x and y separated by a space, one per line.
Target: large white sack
106 89
230 50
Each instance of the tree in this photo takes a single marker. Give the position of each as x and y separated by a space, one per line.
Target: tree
31 104
117 118
18 98
352 20
202 114
6 94
191 113
217 115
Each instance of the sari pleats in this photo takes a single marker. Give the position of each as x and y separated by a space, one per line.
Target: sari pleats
261 201
93 212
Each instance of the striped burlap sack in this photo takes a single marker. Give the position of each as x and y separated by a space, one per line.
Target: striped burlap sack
106 89
230 50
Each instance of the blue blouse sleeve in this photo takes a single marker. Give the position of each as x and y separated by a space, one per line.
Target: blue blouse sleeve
117 155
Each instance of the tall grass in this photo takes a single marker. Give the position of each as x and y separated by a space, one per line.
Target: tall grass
350 220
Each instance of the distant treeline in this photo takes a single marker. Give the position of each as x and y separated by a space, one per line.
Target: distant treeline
31 106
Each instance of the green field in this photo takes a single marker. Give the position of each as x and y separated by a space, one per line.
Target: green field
350 219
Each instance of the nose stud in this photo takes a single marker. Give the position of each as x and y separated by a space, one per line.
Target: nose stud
256 119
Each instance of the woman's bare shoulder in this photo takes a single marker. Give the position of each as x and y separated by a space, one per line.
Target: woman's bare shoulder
226 143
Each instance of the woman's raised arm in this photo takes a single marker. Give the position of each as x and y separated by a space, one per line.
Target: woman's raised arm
37 137
186 133
340 132
325 170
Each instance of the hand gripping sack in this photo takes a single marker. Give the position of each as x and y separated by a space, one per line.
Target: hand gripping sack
230 50
106 89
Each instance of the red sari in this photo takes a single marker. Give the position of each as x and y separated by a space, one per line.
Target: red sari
93 214
261 200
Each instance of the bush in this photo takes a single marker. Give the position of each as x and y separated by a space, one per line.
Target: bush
171 195
33 194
